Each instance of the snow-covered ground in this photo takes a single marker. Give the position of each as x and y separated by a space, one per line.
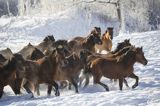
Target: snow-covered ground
16 32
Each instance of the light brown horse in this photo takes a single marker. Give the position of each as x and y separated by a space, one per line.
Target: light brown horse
110 68
106 42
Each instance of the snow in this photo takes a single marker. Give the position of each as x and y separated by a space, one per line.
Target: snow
16 32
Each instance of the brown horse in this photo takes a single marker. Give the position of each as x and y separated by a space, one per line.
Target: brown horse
87 43
7 74
40 71
121 48
69 67
112 69
6 53
107 42
46 43
30 52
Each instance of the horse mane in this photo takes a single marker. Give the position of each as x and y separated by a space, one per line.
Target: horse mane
121 45
122 51
128 56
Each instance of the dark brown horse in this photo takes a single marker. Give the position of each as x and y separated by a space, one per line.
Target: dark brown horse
69 67
7 74
112 69
87 43
41 71
46 43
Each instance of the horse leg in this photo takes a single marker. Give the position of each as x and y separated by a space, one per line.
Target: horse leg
37 89
87 80
105 86
97 81
26 87
121 83
56 88
126 83
69 86
49 89
80 81
75 85
137 79
16 86
1 91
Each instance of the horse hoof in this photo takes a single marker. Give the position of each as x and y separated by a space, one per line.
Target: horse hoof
57 93
107 89
134 86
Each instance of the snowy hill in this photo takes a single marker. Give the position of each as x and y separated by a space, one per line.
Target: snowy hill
16 32
16 36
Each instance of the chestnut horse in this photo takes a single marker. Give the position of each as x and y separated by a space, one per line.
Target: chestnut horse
106 42
112 69
121 48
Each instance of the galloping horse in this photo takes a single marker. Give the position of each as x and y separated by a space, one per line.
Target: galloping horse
121 48
113 69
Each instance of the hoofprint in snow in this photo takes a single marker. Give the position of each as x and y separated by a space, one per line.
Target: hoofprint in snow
18 32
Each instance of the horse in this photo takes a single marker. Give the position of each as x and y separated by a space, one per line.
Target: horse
121 48
7 74
6 53
46 43
113 69
64 43
95 30
41 71
69 67
30 52
106 42
110 30
87 43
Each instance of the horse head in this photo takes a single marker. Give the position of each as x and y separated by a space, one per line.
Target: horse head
140 56
94 39
96 30
49 38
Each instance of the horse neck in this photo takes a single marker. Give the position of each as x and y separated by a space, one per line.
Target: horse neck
88 44
107 36
129 60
